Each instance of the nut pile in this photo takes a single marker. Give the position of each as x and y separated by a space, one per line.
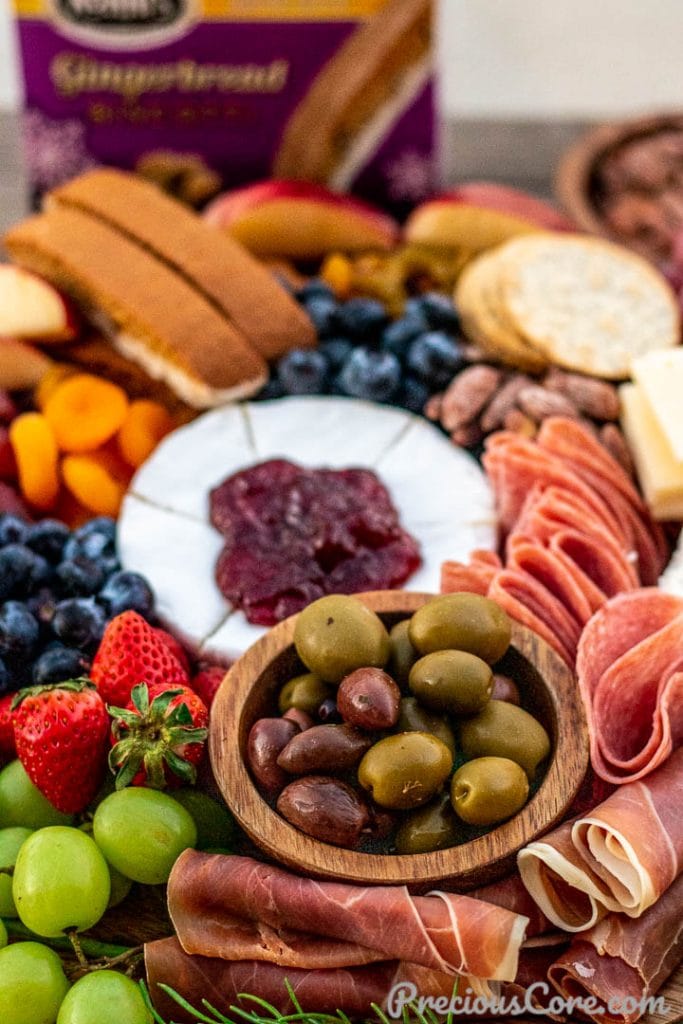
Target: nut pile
485 398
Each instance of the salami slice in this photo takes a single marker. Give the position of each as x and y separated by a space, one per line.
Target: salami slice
525 600
552 573
444 932
630 669
619 857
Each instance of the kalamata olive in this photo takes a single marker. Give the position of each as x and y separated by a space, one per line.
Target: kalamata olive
305 692
434 827
402 653
461 622
324 749
381 823
337 634
505 689
406 770
267 738
488 790
504 730
369 699
299 717
328 712
414 718
324 808
453 682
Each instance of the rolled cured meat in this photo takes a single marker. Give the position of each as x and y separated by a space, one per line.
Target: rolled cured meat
619 857
624 959
221 982
444 932
630 670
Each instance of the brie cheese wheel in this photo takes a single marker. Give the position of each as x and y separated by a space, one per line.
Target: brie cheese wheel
441 494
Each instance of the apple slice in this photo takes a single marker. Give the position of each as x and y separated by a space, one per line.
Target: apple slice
31 309
298 220
480 214
21 365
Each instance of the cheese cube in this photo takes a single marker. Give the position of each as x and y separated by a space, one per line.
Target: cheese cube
660 375
659 470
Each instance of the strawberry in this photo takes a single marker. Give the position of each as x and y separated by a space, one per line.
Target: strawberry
131 653
207 681
159 737
61 732
8 747
175 647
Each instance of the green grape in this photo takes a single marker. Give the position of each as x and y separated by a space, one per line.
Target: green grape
32 984
3 934
11 841
61 881
142 832
22 803
215 824
104 997
120 885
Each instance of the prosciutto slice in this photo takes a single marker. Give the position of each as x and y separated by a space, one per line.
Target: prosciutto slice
624 959
444 932
621 856
630 669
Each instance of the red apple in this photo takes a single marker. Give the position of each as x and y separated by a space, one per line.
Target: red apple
21 366
481 214
31 309
299 220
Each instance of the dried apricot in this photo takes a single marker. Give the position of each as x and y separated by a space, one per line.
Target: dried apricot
50 381
144 426
35 450
85 411
92 483
337 271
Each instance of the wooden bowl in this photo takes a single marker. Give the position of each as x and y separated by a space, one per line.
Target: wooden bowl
249 692
575 176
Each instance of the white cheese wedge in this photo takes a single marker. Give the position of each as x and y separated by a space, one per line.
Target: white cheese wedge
442 496
660 377
671 579
660 472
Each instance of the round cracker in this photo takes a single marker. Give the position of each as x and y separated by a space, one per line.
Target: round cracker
586 304
482 319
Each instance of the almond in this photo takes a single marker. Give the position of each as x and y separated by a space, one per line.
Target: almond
595 398
468 394
503 401
538 402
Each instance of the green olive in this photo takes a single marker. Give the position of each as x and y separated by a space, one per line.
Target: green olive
305 692
406 770
403 654
504 730
414 718
338 634
434 827
488 790
454 682
461 622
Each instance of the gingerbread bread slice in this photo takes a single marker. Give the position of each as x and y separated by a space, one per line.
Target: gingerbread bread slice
217 266
150 313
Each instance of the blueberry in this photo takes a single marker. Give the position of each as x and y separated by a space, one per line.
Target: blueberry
328 713
13 530
97 538
302 372
273 389
336 351
437 310
21 570
57 664
126 591
80 576
42 606
371 375
78 621
414 394
315 289
397 336
435 358
321 310
47 538
361 319
18 632
6 681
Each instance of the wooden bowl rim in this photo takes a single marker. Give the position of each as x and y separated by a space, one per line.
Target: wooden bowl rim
572 178
273 834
